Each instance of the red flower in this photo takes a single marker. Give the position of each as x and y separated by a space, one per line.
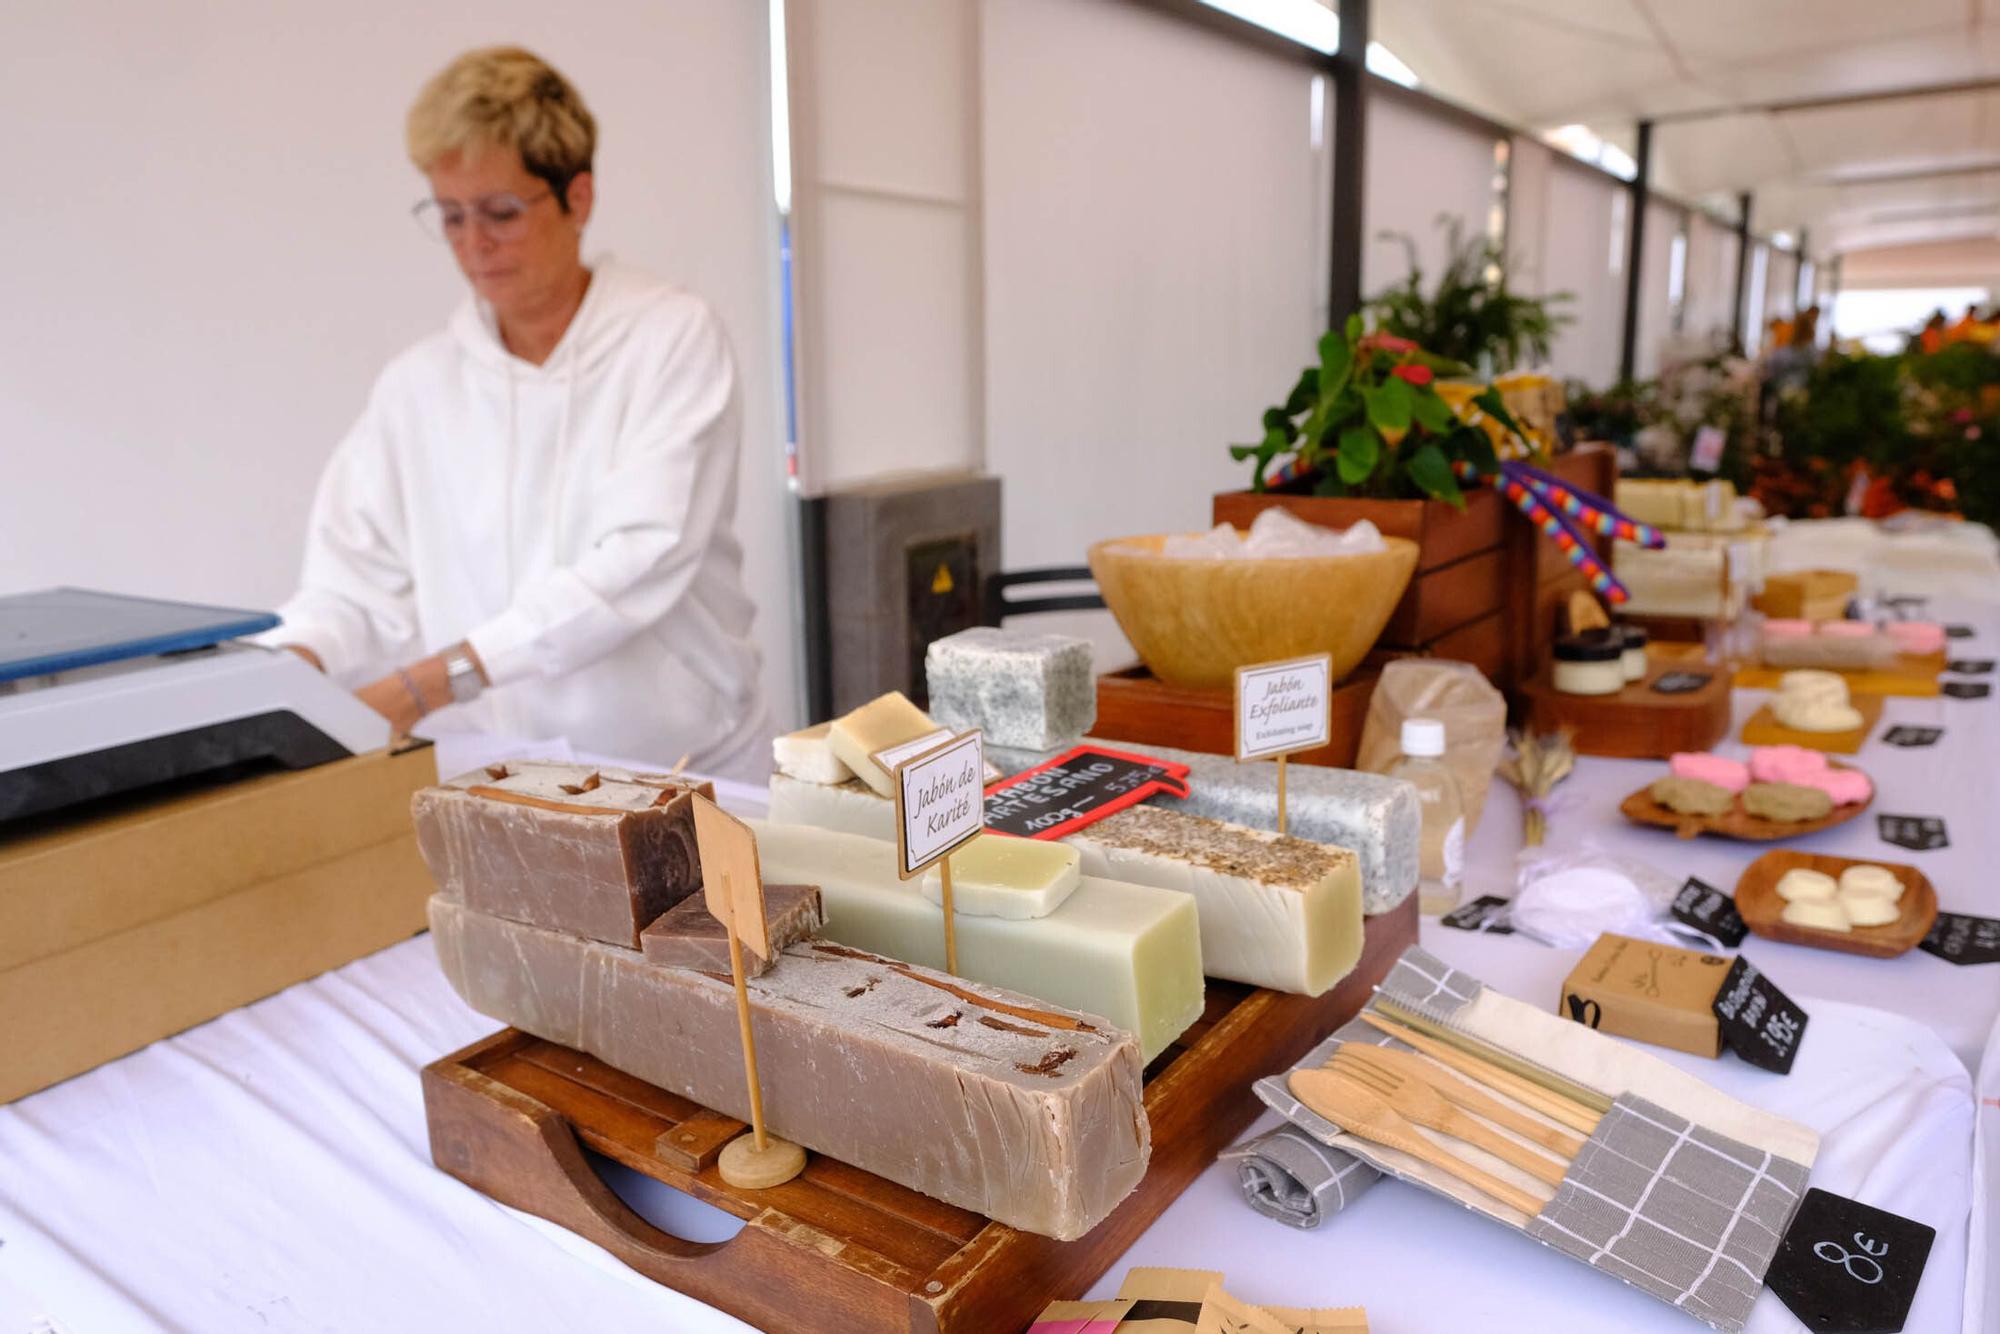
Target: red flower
1416 375
1387 342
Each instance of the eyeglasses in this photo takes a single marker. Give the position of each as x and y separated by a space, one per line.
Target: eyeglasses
503 217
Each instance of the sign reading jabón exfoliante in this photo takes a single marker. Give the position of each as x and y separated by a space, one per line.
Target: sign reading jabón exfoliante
940 802
1283 707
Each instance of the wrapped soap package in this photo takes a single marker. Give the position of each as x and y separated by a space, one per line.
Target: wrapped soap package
1473 712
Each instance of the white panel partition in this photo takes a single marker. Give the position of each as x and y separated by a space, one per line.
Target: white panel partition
1423 165
1711 283
1657 291
208 213
1155 231
1584 255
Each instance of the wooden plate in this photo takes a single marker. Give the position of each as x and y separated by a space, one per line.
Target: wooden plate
1764 729
1907 674
1757 900
1640 808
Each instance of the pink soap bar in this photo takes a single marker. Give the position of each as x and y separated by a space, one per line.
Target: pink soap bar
1917 636
1707 768
1847 629
1843 785
1787 629
1786 764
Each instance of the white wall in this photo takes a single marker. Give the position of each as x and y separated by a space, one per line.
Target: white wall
1584 254
1711 278
210 258
1422 165
1656 313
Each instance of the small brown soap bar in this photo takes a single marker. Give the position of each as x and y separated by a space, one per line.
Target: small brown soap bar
1647 991
596 852
688 936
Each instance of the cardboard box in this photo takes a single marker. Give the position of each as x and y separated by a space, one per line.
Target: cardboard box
1647 991
130 922
1807 595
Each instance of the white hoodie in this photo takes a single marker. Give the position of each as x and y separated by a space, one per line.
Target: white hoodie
571 520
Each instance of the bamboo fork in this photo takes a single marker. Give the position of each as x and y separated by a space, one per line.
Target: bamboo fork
1409 1066
1423 1105
1361 1112
1492 1076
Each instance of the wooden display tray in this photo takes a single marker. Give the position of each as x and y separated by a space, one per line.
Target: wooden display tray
1764 729
1762 910
1637 723
1137 708
1911 674
1640 808
839 1250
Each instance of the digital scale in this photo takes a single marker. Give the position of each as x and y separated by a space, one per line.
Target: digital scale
103 694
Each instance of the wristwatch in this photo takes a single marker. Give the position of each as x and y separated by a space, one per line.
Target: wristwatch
463 674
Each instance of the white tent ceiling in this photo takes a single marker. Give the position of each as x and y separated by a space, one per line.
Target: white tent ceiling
1857 176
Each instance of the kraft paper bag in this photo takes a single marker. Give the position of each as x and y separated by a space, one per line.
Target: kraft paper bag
1474 715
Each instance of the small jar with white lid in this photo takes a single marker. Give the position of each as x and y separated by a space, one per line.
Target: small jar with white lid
1590 664
1634 657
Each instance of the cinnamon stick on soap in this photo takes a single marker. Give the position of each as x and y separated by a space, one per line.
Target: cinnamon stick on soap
592 851
983 1098
687 935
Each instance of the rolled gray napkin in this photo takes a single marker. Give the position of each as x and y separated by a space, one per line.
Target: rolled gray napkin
1288 1175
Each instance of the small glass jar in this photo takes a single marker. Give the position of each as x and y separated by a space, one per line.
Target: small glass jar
1590 664
1634 656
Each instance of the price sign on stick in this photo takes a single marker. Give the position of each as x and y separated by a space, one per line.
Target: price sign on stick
940 803
732 888
1283 707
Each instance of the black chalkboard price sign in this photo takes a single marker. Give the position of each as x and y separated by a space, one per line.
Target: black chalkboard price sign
1486 913
1918 833
1910 736
1760 1023
1706 908
1958 632
1970 666
1680 683
1958 937
1967 689
1078 788
1848 1266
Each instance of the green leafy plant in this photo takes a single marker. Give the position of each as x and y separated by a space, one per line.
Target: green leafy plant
1472 315
1368 421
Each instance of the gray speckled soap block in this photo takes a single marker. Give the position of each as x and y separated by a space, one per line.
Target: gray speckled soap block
1023 690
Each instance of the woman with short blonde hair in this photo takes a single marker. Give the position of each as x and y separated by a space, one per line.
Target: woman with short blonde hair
531 523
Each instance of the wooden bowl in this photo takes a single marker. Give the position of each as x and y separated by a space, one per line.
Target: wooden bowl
1194 621
1763 911
1640 808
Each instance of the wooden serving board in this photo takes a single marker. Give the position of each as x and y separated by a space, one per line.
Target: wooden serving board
1914 675
1763 911
1637 723
1640 808
1764 729
838 1250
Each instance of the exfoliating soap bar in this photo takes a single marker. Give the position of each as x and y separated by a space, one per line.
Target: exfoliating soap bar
1127 952
991 1101
808 756
594 851
885 721
1276 911
1021 689
994 875
687 935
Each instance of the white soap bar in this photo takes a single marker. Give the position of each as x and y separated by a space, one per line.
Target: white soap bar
1127 952
1869 909
1821 914
1879 881
849 807
808 756
1276 911
998 876
1801 885
885 721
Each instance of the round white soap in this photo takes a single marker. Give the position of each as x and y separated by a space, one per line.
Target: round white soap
1820 914
1868 909
1801 885
1829 685
1879 881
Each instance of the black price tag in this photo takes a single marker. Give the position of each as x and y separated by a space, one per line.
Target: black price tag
1482 914
1967 689
1078 788
1918 833
1706 908
1760 1023
1908 735
1849 1266
1906 606
1958 937
1970 666
1680 683
1958 632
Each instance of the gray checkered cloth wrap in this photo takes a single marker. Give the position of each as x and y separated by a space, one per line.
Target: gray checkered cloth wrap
1690 1216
